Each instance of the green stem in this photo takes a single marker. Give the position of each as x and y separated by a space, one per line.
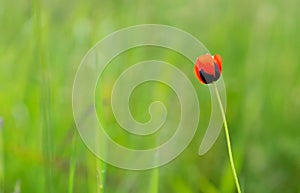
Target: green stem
40 61
72 163
153 188
1 157
101 173
227 139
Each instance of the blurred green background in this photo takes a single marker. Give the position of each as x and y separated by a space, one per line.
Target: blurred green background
43 42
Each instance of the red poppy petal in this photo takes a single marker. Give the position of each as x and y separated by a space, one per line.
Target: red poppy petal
218 60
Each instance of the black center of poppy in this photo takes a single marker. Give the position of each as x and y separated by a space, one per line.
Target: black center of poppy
209 78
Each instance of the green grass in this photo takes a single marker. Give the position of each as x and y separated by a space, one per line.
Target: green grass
43 42
1 155
72 164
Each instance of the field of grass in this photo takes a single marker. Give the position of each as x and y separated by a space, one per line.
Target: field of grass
43 42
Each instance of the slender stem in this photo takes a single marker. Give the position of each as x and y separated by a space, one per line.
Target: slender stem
2 177
227 139
101 173
154 181
40 61
72 164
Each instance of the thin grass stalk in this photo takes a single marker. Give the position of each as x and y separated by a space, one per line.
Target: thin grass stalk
1 156
154 181
72 164
39 51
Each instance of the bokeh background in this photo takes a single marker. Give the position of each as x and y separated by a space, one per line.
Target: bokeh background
43 42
